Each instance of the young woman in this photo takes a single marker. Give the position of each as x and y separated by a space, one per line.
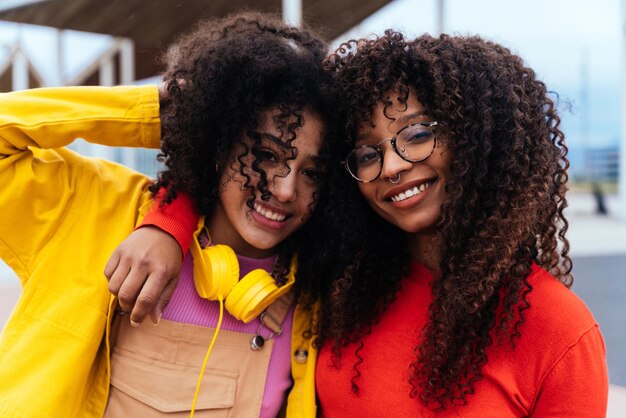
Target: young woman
244 123
446 293
455 299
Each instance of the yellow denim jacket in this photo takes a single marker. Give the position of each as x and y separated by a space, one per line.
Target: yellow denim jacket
61 216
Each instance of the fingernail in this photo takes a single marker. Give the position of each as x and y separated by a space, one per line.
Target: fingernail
134 324
156 324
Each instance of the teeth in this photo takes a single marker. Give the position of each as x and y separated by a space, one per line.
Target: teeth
266 213
410 193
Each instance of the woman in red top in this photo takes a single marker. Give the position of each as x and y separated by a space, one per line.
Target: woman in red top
447 292
454 300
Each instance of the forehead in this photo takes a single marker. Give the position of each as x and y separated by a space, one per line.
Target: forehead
275 120
387 120
308 135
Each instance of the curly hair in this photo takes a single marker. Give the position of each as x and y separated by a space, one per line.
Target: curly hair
221 81
503 209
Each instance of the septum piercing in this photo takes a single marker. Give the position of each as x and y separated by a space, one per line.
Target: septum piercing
396 180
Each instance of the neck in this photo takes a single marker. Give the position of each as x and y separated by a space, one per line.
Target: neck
424 250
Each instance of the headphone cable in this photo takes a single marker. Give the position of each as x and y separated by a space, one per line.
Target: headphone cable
206 358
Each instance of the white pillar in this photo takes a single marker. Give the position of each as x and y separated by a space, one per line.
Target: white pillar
292 12
127 76
20 70
127 61
622 151
59 78
107 71
441 12
129 157
107 78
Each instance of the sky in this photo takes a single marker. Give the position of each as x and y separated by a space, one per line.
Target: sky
561 40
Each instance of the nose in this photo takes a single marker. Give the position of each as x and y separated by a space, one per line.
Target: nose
393 164
285 188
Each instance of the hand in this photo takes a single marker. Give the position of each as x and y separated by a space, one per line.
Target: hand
143 272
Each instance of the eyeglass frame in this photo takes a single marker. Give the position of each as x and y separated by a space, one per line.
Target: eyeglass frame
381 153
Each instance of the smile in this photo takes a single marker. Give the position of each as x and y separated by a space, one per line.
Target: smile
268 214
411 192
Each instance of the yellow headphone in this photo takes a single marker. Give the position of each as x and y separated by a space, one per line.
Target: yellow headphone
216 276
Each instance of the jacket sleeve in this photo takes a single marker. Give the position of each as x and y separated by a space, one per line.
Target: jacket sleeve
54 117
39 179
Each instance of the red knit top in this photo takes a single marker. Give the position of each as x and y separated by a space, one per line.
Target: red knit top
557 369
178 218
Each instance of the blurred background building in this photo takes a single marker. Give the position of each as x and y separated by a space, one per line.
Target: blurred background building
577 47
133 35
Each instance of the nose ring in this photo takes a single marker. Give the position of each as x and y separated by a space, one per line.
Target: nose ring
396 180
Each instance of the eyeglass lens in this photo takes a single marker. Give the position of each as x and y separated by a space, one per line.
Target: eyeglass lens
413 143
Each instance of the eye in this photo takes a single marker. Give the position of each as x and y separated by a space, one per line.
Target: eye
265 154
416 134
365 156
314 174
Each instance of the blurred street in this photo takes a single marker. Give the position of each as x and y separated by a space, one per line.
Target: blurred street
598 249
601 282
598 245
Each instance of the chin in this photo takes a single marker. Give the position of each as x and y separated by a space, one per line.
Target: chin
268 244
418 226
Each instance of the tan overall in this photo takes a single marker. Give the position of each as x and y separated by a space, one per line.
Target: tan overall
155 369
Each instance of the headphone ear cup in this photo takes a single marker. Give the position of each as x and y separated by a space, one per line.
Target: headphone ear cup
222 272
291 279
253 294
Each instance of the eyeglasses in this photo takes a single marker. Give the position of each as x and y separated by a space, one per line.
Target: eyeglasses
413 143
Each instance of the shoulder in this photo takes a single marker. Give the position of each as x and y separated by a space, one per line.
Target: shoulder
559 347
555 309
565 345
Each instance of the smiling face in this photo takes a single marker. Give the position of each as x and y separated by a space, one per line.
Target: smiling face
413 203
256 231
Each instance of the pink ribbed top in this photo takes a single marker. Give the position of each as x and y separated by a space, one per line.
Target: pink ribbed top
187 306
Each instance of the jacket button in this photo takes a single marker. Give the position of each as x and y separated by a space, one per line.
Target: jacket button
301 356
257 342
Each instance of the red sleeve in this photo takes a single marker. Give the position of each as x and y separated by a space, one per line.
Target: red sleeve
577 386
179 218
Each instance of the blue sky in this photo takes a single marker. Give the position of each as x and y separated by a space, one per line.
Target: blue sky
552 36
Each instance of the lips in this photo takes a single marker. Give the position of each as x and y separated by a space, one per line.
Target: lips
408 190
271 214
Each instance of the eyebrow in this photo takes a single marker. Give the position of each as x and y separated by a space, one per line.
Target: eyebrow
401 119
278 141
316 158
410 116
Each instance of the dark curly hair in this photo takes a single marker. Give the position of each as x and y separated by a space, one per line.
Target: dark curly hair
221 81
503 209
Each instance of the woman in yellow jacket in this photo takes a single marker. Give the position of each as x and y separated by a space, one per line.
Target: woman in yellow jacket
243 125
